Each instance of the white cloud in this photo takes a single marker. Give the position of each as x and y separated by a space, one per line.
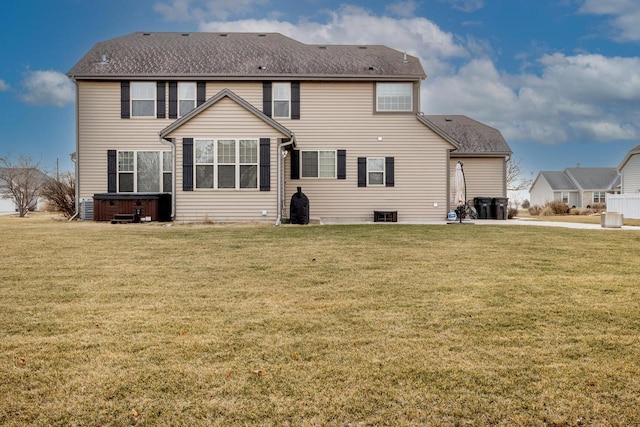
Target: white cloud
4 86
185 10
568 98
47 88
466 5
403 9
625 15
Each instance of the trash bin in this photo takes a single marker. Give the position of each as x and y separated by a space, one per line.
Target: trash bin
299 209
483 207
499 208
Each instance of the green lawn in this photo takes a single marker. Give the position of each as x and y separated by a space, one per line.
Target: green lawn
148 324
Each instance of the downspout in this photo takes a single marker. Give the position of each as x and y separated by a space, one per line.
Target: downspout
76 161
280 178
172 143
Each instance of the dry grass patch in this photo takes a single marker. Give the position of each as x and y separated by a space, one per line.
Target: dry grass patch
317 325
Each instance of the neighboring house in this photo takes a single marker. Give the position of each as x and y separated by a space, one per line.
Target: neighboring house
231 124
577 187
629 170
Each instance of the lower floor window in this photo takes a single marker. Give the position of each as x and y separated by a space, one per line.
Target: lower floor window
375 171
145 171
599 197
226 163
318 164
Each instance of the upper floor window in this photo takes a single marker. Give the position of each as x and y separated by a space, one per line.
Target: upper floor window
318 164
143 99
186 97
394 97
226 163
144 171
281 100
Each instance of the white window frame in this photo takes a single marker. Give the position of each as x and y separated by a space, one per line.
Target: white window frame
149 85
389 97
602 197
562 197
181 96
277 98
165 167
376 171
238 163
320 174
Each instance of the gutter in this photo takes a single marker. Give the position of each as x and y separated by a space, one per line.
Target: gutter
280 177
172 143
76 161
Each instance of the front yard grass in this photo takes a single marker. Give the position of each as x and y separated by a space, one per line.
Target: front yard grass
387 324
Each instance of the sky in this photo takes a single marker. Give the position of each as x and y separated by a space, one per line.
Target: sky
559 78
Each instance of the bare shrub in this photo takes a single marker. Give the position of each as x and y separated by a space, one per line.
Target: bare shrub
535 210
61 193
558 207
512 212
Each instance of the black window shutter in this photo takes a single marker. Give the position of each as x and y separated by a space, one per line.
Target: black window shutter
125 98
173 100
266 98
389 171
187 164
161 100
265 164
362 171
201 93
295 100
295 164
342 164
112 171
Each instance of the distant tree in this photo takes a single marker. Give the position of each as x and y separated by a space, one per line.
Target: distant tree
514 181
61 193
526 204
22 181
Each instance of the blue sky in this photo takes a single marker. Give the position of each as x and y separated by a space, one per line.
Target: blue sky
559 78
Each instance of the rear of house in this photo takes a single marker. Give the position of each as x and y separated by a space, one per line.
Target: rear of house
231 124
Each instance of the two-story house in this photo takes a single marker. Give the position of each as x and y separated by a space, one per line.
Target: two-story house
231 124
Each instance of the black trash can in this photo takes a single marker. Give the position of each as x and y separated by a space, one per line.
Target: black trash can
299 208
499 208
483 207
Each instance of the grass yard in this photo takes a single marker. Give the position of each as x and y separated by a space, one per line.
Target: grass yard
115 325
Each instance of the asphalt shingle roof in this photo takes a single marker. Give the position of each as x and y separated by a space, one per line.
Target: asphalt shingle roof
471 136
558 180
240 56
595 178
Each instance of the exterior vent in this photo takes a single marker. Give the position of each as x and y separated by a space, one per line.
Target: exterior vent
223 35
262 35
185 34
86 209
322 47
146 34
362 47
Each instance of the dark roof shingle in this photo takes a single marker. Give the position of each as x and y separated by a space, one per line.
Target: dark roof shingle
240 55
471 136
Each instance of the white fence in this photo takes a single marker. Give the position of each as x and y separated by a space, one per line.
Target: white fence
626 204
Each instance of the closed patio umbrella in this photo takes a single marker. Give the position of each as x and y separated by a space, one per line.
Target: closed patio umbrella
461 191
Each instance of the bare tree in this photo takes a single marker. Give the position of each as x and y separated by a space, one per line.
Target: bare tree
514 181
61 193
22 181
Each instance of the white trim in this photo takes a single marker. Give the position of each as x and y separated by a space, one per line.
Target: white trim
135 169
384 171
391 109
274 99
335 164
236 164
154 99
194 99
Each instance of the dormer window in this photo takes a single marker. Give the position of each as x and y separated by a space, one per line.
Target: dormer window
394 97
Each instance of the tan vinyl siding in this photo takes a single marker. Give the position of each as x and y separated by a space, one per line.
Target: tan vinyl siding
631 175
485 177
338 116
225 119
100 128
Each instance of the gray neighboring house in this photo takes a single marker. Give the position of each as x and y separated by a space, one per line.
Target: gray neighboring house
629 170
577 187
